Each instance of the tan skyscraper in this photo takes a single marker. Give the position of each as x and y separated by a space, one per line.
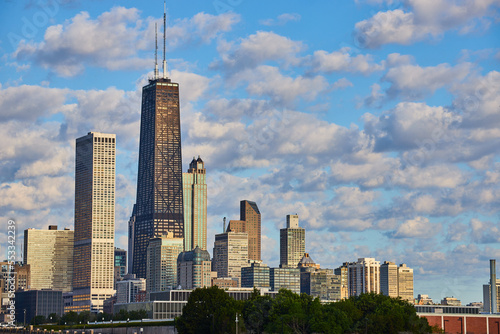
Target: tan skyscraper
292 243
405 283
49 256
364 276
94 221
195 205
162 262
230 254
250 223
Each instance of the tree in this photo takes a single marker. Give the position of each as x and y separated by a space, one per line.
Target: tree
256 312
209 310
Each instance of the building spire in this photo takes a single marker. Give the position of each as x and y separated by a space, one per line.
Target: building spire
156 52
164 39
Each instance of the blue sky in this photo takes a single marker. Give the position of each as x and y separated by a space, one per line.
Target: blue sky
377 121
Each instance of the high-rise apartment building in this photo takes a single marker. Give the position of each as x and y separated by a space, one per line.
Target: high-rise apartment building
292 242
195 205
230 254
194 269
162 254
364 276
159 205
343 273
93 276
389 279
49 255
250 223
317 282
286 278
405 283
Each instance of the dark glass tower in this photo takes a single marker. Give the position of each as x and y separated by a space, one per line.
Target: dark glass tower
159 206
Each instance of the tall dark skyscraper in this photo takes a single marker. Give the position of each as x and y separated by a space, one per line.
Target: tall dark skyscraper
159 206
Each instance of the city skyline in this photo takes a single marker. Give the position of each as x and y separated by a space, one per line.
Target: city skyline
300 108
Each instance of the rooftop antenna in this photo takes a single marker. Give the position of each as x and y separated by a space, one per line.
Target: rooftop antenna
224 220
164 38
156 51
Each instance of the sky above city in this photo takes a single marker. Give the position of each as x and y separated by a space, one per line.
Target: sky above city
376 121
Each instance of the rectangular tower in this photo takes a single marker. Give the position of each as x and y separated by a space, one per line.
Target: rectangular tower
49 255
405 283
195 205
292 243
94 221
249 212
389 279
159 205
364 276
230 254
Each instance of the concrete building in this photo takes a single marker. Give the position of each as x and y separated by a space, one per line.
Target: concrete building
230 254
424 300
195 205
225 282
129 288
487 297
292 242
405 283
49 254
94 245
159 202
451 301
317 282
389 279
194 269
342 272
162 262
364 276
285 278
250 223
255 276
120 269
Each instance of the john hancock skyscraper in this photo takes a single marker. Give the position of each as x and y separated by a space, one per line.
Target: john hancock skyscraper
159 206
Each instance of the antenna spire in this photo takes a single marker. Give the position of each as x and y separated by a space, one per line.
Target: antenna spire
156 51
164 39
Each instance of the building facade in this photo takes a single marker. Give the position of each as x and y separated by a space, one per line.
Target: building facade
162 262
120 264
364 276
389 279
487 297
405 283
255 276
292 242
194 269
49 255
250 223
38 302
230 254
285 278
195 205
342 272
159 204
129 288
94 245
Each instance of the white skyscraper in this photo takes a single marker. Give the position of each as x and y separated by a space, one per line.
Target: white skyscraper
94 221
364 276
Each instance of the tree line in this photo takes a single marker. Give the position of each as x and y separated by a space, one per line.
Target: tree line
212 310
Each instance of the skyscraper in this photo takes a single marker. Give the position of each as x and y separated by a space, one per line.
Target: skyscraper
292 242
162 262
405 283
389 279
94 221
195 205
49 254
364 276
194 269
230 254
159 205
250 223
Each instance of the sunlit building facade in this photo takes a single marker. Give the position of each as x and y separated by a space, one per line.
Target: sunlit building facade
195 205
162 262
93 276
292 242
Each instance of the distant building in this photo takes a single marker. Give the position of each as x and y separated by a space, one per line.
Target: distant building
424 300
317 282
487 297
343 271
292 242
120 264
255 276
286 278
162 262
49 253
225 282
195 205
131 230
389 279
250 223
230 254
128 288
194 269
38 302
364 276
405 283
450 301
94 245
